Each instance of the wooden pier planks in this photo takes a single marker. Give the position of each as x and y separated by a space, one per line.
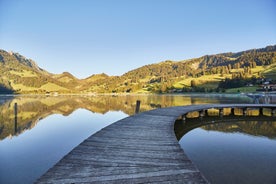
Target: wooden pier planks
138 149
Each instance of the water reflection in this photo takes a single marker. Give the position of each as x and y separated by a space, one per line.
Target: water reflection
28 155
259 126
232 149
31 109
262 98
65 121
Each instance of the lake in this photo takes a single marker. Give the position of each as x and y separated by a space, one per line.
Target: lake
46 128
231 149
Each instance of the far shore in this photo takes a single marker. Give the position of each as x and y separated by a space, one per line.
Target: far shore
136 94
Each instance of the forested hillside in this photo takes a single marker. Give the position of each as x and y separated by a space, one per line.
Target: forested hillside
207 71
206 74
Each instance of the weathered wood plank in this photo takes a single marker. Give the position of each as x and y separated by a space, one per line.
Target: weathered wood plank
139 149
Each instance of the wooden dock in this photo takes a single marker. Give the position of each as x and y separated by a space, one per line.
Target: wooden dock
138 149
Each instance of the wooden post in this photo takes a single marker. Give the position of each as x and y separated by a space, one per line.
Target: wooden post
206 112
244 111
184 117
202 113
261 111
220 112
137 109
15 118
233 111
273 112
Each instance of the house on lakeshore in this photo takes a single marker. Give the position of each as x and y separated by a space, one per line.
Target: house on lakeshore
267 86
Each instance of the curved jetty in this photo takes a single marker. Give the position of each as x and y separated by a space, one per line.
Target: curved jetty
138 149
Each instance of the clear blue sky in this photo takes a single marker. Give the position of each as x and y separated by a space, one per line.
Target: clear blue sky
86 37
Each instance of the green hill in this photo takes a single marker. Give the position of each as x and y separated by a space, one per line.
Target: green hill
205 72
21 75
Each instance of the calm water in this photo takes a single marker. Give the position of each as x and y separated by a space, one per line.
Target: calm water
240 152
47 128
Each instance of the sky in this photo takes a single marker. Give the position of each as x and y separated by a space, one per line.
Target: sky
86 37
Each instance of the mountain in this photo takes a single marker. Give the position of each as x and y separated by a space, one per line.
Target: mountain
22 75
206 71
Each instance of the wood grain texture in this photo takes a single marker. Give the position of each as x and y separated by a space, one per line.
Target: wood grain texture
138 149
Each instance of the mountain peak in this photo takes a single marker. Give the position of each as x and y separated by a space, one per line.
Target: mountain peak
68 74
25 61
17 71
16 57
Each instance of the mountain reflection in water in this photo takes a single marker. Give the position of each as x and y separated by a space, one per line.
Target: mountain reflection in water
261 126
31 109
233 151
46 128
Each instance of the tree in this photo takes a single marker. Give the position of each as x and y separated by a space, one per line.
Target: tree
193 83
5 90
163 87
